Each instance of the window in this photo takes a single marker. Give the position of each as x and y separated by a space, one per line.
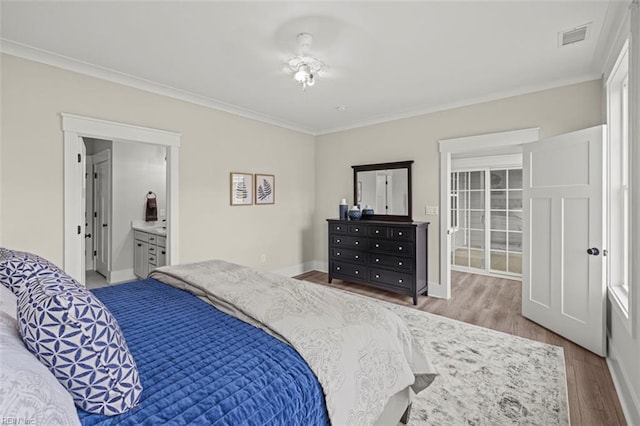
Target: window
618 116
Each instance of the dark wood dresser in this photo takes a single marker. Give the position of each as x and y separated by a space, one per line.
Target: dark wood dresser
387 255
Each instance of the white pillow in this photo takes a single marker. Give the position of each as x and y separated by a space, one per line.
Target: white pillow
8 302
30 393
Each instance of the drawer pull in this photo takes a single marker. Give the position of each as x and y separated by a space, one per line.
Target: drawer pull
399 263
400 248
357 230
400 281
357 272
338 228
377 231
337 268
337 241
338 253
377 245
357 257
377 260
399 233
357 242
377 275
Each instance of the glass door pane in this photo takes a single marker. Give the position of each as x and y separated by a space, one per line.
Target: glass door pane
506 221
468 212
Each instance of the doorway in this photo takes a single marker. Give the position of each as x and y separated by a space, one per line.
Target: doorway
76 127
467 154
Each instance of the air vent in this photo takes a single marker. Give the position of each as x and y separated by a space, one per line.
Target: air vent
573 36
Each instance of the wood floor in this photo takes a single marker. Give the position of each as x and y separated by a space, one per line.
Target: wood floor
496 303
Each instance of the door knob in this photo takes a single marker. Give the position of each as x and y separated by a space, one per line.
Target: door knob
104 225
593 251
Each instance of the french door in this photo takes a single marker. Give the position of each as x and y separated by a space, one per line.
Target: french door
486 218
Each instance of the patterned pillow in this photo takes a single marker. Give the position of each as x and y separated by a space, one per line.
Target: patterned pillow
76 337
29 391
17 266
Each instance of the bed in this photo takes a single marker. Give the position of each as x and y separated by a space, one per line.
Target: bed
219 343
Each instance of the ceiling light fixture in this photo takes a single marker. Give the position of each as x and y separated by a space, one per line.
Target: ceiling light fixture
305 68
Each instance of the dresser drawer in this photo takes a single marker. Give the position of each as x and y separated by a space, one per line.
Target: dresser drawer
396 279
357 230
401 233
338 228
400 263
399 248
349 269
348 255
344 241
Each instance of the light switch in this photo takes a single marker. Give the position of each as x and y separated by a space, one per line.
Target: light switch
431 210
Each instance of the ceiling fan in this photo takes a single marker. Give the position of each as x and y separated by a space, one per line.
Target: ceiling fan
305 68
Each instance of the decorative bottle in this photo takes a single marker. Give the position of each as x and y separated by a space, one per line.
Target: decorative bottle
344 208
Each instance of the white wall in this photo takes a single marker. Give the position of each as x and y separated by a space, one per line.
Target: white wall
555 111
214 143
137 168
624 347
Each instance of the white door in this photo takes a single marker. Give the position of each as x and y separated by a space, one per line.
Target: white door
88 215
102 200
563 287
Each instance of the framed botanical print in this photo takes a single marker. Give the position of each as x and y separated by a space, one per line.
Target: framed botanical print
265 189
241 189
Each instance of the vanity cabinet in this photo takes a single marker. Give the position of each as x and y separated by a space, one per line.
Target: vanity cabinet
381 254
149 251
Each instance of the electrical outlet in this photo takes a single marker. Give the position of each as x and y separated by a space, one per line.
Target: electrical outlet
263 258
431 210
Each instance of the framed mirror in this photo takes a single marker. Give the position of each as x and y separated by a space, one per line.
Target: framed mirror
385 188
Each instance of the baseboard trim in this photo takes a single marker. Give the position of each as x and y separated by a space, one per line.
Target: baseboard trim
293 270
628 399
121 275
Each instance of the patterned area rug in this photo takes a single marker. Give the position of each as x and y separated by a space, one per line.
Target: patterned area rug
486 377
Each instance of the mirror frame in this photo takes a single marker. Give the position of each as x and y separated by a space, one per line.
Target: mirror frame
385 166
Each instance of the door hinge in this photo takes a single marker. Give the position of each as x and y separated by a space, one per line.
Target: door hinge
79 229
79 158
95 253
95 175
95 214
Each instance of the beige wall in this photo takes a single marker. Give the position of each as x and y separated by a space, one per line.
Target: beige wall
214 143
555 111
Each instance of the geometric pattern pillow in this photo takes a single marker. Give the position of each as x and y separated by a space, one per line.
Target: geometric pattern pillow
73 334
17 266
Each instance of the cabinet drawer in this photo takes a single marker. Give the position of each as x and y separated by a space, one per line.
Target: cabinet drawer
348 255
152 260
350 269
140 236
340 228
344 241
396 279
152 238
162 241
399 263
398 248
357 230
152 250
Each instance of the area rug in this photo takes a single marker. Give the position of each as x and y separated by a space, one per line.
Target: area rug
486 377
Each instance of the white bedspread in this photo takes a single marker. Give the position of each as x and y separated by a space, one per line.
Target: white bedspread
361 353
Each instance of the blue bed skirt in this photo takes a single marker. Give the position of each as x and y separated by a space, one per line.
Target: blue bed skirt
199 365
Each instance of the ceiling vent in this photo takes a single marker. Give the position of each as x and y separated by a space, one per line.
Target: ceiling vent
574 35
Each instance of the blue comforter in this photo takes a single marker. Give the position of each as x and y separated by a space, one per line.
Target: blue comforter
199 365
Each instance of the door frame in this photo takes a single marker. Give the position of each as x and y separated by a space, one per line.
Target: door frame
74 128
487 144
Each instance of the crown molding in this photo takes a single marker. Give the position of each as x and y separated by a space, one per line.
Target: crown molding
31 53
459 104
24 51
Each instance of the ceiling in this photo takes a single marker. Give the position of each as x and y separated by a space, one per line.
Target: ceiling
385 60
